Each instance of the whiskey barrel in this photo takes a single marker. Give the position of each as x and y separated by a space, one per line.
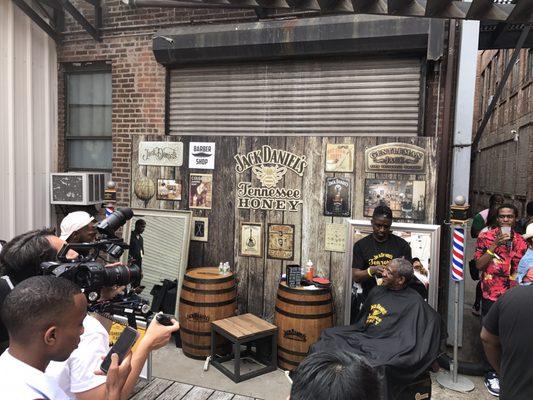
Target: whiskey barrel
301 315
206 296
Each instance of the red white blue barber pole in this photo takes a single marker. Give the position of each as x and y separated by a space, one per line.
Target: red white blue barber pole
458 253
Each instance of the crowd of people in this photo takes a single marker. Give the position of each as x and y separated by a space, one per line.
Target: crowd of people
54 347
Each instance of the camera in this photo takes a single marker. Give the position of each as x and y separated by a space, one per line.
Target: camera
89 274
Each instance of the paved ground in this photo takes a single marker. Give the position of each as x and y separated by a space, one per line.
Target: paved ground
170 363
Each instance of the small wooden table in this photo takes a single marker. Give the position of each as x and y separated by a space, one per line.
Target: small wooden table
243 330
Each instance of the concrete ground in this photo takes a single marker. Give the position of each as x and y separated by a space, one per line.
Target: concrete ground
170 363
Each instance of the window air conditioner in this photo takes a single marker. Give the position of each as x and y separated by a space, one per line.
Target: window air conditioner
78 188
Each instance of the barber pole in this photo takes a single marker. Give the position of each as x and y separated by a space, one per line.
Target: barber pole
458 254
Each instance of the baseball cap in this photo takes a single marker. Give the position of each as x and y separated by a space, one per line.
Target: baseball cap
74 222
529 232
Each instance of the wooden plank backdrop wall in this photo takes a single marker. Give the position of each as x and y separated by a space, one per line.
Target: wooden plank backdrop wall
258 277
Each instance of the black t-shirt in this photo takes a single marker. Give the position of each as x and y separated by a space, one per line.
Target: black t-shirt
137 248
510 319
368 252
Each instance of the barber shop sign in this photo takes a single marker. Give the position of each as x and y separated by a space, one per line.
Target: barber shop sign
269 166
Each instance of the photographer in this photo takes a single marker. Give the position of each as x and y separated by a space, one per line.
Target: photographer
20 259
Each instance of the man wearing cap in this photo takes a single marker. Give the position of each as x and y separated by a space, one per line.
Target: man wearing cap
78 227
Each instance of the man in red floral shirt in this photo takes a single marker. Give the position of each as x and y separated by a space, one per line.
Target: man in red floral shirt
498 252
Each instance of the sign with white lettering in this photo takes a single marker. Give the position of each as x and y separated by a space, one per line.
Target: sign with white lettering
269 166
167 154
400 158
202 155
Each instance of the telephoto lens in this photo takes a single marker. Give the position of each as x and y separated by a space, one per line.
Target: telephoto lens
109 225
122 275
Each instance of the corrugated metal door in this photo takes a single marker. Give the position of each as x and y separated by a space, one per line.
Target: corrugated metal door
323 97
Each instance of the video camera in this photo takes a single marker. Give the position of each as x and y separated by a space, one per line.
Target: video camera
91 276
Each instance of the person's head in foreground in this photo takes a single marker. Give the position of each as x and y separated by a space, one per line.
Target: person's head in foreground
397 274
381 222
44 317
336 375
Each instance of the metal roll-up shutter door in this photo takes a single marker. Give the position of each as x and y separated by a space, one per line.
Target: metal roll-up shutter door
325 97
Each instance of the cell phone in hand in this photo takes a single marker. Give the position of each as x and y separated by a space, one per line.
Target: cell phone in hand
122 347
163 319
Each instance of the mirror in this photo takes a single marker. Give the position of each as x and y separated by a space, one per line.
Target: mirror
166 247
424 240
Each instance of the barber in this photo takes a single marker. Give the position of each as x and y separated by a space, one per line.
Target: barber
374 252
20 259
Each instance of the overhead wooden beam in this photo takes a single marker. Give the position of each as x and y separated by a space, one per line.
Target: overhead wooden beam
337 6
486 10
406 7
498 32
436 7
522 12
370 6
73 11
30 12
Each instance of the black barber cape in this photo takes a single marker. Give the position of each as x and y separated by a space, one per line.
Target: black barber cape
396 331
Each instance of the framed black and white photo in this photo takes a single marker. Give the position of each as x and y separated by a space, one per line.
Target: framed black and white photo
337 202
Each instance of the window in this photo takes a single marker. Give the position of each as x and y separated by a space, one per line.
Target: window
481 94
88 131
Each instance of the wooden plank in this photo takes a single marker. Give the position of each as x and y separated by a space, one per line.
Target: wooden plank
153 389
221 216
176 391
198 393
313 207
239 397
245 325
241 267
273 267
141 384
221 396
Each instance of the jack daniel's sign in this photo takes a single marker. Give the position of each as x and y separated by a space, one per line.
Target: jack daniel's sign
269 166
400 158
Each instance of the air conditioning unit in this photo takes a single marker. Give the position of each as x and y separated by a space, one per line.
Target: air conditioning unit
78 188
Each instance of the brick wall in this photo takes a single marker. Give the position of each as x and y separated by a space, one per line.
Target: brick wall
503 165
138 81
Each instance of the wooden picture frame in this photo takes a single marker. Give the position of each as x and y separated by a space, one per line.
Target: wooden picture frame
280 241
200 191
406 198
340 157
200 229
251 239
168 189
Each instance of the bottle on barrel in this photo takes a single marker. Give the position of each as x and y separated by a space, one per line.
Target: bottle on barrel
309 271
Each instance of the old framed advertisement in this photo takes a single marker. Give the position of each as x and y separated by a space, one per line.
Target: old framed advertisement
168 189
200 191
251 244
339 157
280 243
337 200
406 199
397 158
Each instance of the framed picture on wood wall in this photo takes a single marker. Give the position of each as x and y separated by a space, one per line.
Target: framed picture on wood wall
251 239
168 189
200 191
337 202
280 243
406 199
200 229
339 157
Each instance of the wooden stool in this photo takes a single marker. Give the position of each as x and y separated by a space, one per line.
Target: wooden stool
243 330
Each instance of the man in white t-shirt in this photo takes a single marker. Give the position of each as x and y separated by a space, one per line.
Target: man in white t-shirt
44 317
20 258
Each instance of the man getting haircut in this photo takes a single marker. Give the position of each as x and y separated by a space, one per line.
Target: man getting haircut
336 375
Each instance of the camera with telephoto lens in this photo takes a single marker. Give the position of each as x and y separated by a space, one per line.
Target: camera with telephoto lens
90 275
